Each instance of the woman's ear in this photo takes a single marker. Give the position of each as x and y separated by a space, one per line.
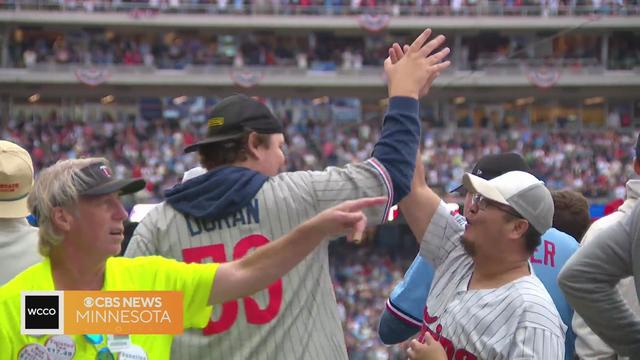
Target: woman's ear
61 218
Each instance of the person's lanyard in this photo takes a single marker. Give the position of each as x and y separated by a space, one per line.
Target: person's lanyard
95 340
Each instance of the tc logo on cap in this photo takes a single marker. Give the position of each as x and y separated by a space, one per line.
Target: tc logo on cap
41 312
216 121
105 170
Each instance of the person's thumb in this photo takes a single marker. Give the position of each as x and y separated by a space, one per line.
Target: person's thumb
428 339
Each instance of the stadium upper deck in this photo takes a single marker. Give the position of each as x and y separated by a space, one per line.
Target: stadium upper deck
479 8
551 55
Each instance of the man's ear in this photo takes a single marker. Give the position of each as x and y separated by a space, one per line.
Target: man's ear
520 227
253 143
61 219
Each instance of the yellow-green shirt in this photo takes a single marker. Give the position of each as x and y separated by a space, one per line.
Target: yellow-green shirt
121 274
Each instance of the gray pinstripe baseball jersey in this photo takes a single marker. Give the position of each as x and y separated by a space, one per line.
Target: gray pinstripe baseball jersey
296 317
515 321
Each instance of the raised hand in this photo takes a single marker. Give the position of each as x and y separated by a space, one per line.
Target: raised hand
412 70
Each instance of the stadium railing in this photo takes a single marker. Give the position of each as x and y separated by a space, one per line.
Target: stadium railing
506 66
489 8
272 77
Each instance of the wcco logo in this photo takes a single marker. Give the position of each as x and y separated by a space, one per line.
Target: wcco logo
41 312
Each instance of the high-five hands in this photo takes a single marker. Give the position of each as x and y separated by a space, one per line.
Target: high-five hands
430 350
412 70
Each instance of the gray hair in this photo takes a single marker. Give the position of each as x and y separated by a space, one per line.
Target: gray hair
56 186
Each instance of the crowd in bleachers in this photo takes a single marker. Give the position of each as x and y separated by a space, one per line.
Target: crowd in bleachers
594 162
177 51
363 279
347 7
314 50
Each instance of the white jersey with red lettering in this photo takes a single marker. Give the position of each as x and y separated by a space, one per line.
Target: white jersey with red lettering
296 317
515 321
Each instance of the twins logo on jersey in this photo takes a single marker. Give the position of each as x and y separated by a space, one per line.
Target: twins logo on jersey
461 220
449 348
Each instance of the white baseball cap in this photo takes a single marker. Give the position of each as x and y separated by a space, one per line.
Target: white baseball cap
139 211
193 173
16 180
522 191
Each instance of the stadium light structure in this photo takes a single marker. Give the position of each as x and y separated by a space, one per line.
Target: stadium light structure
34 98
107 99
594 100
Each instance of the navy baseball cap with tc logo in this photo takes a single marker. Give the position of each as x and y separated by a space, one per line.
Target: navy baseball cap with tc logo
100 181
235 116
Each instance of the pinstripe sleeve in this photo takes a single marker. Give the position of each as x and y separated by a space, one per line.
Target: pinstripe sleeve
442 236
536 343
337 184
143 241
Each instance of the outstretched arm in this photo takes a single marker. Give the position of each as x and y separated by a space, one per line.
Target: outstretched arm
257 270
421 204
408 79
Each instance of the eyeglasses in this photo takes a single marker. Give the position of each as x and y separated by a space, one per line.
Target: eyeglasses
482 202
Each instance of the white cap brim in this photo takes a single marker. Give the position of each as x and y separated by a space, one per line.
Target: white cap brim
483 187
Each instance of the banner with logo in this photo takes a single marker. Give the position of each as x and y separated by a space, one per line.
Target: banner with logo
92 76
374 23
99 312
246 78
544 76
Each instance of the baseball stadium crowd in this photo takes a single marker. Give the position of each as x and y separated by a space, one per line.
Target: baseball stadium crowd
261 261
346 7
595 162
363 278
316 51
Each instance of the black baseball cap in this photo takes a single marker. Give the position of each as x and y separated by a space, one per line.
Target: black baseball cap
236 115
492 166
101 182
